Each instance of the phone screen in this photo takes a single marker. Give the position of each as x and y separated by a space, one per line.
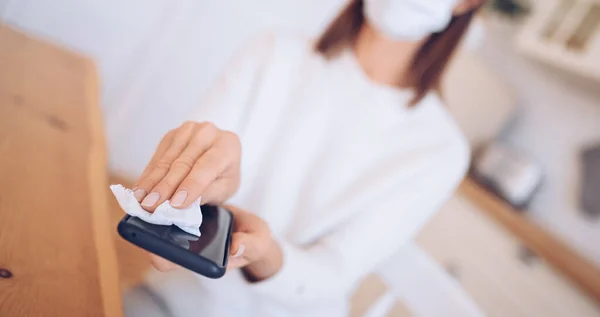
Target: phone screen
213 234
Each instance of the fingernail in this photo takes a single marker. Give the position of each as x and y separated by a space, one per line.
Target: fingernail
139 194
179 198
240 251
151 199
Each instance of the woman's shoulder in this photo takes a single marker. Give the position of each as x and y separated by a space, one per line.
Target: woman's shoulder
440 128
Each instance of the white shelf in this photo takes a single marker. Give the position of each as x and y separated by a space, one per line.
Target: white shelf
557 44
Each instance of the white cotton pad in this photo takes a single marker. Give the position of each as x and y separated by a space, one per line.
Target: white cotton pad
188 219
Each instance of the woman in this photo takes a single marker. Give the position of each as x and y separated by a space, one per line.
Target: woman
347 152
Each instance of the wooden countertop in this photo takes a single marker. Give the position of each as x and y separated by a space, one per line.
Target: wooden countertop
564 259
55 238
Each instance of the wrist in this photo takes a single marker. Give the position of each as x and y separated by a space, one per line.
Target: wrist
266 266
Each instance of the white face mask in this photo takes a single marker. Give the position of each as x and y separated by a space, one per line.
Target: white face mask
409 20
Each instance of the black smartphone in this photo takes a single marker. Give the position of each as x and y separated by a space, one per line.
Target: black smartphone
206 255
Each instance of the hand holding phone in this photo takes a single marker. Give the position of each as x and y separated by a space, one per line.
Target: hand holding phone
197 159
251 241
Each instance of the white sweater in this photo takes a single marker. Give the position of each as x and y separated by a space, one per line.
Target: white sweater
338 166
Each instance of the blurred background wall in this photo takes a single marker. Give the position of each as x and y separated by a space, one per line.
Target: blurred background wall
158 57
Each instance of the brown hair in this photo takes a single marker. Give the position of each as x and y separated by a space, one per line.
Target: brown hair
430 61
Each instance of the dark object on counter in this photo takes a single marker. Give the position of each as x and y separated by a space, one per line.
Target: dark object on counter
590 198
4 273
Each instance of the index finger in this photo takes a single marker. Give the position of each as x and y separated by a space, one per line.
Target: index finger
204 173
163 146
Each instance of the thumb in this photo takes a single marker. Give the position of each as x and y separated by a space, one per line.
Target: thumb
244 249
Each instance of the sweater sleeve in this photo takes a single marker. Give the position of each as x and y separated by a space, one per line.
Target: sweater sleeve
226 103
332 266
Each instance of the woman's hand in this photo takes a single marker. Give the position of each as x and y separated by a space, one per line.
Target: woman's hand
192 161
252 247
251 239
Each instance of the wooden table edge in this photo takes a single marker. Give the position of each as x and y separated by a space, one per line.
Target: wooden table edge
561 257
98 178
